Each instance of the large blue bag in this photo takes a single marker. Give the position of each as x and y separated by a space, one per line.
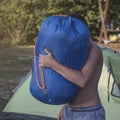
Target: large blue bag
67 38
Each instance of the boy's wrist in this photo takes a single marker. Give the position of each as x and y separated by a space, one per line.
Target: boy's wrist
53 64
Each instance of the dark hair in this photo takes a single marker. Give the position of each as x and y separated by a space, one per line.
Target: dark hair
78 16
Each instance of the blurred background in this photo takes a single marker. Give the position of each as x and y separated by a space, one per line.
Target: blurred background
19 24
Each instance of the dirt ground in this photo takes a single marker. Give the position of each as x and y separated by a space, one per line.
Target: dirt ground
15 63
114 46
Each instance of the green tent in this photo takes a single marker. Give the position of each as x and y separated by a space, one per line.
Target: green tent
25 107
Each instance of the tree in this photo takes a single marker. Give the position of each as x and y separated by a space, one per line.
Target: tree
20 19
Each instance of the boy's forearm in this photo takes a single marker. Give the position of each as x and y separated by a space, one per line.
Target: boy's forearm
81 77
72 75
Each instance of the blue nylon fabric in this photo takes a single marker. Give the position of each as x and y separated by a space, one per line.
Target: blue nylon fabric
67 38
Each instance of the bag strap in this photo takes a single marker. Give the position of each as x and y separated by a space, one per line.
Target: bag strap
43 86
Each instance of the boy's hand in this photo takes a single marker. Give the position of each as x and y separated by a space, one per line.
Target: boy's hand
60 115
46 60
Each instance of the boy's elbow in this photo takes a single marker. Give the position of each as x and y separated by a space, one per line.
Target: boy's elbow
83 84
83 81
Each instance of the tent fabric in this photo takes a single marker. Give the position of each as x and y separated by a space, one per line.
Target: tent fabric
115 66
67 38
18 116
24 103
112 61
115 90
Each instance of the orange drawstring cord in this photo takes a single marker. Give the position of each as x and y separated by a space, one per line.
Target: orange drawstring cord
43 86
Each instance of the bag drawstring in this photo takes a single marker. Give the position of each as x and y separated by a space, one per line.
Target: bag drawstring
43 86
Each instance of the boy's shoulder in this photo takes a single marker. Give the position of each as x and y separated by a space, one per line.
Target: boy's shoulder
95 54
96 49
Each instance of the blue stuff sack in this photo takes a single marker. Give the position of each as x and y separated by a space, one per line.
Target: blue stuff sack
67 38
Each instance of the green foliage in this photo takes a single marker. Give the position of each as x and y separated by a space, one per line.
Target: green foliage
114 12
20 19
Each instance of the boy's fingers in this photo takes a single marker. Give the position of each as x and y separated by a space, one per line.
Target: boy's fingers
40 55
60 119
47 51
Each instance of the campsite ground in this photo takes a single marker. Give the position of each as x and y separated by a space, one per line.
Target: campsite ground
114 46
15 63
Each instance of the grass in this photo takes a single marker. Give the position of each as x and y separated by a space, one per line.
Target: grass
15 63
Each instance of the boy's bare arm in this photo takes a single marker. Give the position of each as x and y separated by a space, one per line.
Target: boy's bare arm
79 78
